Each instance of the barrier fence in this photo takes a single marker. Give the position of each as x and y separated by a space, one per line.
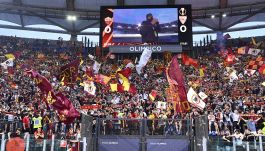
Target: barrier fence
138 135
29 143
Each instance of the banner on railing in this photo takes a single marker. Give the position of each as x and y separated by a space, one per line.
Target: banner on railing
167 144
119 144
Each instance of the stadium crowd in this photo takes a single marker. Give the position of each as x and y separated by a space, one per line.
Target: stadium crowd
232 106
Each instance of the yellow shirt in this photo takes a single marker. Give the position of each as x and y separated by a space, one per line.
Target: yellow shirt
37 122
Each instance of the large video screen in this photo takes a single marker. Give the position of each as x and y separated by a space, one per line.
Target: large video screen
154 25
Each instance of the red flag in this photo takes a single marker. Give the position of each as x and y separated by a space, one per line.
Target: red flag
69 72
132 89
102 79
153 95
175 74
189 61
63 105
120 88
255 64
125 72
43 84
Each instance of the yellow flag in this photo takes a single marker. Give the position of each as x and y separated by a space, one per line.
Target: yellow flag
114 87
10 56
125 82
201 72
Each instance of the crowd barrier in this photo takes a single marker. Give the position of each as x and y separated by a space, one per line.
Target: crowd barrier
29 143
139 135
144 127
219 144
142 134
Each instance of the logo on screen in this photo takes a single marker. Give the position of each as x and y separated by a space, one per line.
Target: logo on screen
183 28
183 19
182 11
108 22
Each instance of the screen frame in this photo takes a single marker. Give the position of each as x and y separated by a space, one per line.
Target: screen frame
188 6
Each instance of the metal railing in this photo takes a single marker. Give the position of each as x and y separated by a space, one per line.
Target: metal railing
219 144
31 144
144 127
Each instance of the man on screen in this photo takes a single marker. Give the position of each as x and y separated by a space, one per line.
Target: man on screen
149 29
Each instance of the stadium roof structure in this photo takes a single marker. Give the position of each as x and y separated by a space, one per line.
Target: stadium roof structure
217 15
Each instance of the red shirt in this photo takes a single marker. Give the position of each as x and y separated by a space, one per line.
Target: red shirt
26 121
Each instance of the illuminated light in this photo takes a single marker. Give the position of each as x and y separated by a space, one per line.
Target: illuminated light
212 16
129 27
166 26
224 15
74 18
71 18
173 25
139 25
119 26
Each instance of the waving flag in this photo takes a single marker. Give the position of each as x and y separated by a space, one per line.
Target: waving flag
43 84
132 89
69 72
203 95
13 55
153 95
96 67
253 51
177 84
102 79
125 72
124 75
195 100
114 87
65 108
255 64
10 56
189 61
242 50
90 87
8 63
146 55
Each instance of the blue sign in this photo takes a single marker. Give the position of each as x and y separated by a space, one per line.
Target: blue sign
167 144
119 144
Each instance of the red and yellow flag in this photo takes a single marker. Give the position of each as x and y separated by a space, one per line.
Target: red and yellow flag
153 95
